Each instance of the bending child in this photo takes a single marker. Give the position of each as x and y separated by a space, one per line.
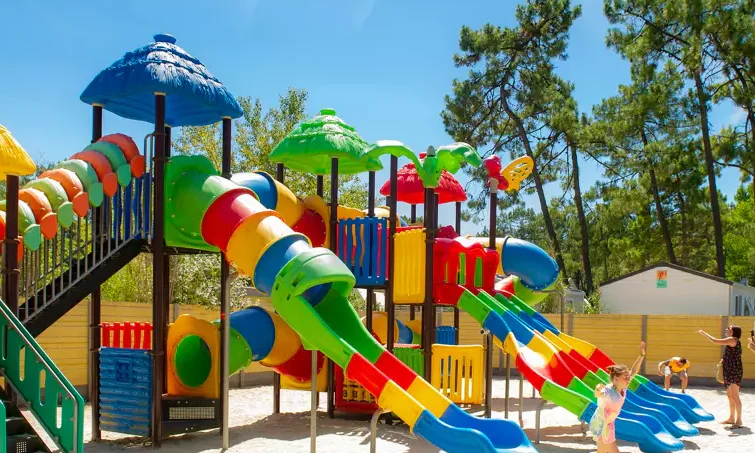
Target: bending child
610 401
672 366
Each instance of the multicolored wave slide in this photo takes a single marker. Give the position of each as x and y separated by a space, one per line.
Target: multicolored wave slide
72 187
309 289
562 374
688 408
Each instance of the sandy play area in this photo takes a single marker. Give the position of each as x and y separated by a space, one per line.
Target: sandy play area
254 430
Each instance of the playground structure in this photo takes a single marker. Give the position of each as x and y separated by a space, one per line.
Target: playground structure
73 227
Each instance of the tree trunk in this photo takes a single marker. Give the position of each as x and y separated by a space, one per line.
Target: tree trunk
538 183
683 212
658 206
718 232
584 232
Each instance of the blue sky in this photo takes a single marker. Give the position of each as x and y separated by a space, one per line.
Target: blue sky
384 65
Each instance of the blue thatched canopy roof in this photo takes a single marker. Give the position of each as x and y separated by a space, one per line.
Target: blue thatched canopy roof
194 96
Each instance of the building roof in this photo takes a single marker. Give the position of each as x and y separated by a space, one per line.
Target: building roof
671 266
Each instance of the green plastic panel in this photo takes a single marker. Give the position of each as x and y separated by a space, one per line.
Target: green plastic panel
57 197
566 398
474 306
577 386
306 270
88 178
39 368
192 184
411 357
116 158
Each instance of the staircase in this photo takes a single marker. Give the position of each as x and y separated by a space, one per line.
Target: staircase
55 278
18 433
26 369
71 265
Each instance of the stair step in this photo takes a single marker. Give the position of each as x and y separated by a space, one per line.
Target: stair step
24 443
10 409
16 425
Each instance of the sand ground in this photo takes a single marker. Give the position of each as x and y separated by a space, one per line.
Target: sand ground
255 430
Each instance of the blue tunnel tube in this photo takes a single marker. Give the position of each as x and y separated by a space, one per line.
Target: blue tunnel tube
533 265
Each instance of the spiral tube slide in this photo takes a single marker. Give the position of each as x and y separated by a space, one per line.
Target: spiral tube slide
73 186
559 377
257 335
309 289
683 404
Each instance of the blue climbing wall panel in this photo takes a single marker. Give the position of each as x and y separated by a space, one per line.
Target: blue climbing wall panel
362 245
125 390
445 335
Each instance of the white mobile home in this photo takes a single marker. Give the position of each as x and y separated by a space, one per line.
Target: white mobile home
665 288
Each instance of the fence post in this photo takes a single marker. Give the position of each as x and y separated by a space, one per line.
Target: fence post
570 326
645 339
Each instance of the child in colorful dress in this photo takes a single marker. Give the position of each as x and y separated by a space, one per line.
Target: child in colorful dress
610 400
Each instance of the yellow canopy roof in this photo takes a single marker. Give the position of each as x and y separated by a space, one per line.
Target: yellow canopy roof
13 158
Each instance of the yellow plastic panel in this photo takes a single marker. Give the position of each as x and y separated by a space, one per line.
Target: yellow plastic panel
583 347
409 267
380 327
458 372
286 344
396 400
184 326
429 396
289 205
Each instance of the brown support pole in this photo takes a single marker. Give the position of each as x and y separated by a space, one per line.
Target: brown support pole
95 309
390 308
280 174
370 213
428 311
333 247
458 217
488 336
224 273
158 272
412 219
320 186
10 245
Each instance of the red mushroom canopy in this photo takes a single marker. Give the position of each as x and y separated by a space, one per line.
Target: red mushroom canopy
411 190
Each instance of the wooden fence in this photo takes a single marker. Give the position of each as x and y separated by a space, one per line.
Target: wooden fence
617 335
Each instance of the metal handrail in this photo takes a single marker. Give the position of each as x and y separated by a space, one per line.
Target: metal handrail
49 366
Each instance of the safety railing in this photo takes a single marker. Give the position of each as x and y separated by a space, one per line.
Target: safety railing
74 252
362 243
29 370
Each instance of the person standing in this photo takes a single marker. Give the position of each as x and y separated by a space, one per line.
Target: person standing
732 366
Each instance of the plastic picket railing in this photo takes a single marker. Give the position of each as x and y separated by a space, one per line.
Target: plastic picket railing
66 427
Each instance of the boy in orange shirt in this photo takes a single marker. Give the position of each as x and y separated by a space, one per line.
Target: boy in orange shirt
672 366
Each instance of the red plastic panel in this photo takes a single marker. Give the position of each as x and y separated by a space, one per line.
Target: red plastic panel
582 360
361 370
396 369
507 285
131 335
447 293
313 226
299 366
575 366
225 215
533 376
600 359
